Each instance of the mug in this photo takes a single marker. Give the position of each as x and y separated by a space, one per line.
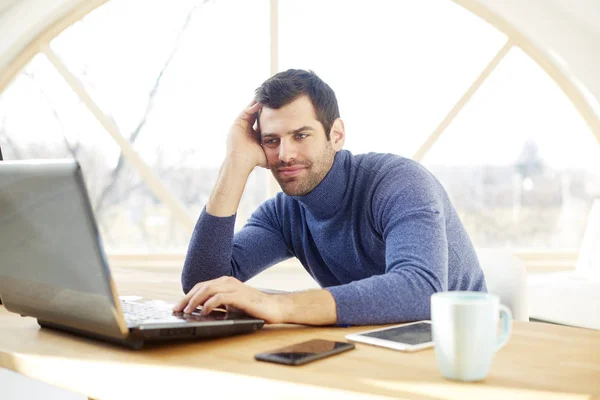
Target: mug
465 332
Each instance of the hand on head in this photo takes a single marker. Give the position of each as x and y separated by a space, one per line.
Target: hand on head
243 141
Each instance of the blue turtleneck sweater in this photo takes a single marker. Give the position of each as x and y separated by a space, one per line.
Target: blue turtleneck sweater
379 233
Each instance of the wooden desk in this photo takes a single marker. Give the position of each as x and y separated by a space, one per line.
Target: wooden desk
540 361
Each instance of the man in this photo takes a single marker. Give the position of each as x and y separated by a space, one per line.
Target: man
376 231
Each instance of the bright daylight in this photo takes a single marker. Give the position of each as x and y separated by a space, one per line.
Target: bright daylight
393 176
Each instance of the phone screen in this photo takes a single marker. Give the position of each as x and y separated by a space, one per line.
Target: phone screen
410 334
301 353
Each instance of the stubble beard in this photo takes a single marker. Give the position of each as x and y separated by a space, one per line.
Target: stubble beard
315 173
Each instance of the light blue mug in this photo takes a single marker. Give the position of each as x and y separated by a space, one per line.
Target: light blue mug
465 332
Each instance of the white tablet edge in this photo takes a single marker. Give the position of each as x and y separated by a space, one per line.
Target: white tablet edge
358 337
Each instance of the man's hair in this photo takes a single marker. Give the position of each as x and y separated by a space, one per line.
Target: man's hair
285 87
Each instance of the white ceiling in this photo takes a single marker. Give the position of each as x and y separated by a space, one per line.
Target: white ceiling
567 32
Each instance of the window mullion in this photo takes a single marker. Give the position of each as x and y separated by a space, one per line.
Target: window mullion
148 176
454 111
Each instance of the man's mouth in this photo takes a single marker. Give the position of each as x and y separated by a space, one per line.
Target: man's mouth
288 172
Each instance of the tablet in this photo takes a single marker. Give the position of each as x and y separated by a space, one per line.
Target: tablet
406 337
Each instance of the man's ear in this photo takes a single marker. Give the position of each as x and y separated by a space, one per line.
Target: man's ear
337 134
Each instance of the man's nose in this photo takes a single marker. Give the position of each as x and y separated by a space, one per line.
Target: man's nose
287 151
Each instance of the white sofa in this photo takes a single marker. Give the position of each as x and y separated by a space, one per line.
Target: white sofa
572 298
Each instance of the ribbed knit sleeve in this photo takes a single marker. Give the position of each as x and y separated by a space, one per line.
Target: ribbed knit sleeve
409 215
215 251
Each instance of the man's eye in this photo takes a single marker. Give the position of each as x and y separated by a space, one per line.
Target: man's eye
301 136
270 142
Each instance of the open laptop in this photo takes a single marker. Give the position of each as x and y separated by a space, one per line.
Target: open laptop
53 266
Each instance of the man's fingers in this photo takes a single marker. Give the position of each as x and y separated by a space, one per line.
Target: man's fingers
249 112
221 285
199 298
185 300
253 105
252 102
219 299
203 291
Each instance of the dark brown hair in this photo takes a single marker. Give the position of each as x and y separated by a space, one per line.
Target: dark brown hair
285 87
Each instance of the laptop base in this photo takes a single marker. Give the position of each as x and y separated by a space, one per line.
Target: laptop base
134 344
138 337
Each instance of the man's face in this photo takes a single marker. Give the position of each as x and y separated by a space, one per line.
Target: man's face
294 141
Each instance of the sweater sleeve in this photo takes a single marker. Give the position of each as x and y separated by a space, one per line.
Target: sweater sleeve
411 220
215 250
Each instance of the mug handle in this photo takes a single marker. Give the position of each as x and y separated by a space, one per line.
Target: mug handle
506 317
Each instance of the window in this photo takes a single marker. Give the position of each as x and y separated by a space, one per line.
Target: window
172 88
397 67
519 162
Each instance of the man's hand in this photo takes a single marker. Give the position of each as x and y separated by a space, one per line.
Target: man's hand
311 307
230 292
243 141
244 152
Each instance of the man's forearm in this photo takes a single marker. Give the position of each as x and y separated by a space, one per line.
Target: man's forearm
209 253
233 175
312 307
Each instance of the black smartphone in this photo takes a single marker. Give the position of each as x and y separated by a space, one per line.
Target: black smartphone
305 352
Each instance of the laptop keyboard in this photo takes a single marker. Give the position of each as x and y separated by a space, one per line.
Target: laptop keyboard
139 313
136 313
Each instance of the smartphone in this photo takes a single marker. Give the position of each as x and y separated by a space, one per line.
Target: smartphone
406 337
305 352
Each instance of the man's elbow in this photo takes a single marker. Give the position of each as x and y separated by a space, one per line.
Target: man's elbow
186 282
190 275
186 286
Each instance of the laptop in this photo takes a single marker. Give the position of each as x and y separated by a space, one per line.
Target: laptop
53 266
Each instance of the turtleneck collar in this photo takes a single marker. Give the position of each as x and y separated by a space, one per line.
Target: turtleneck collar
327 198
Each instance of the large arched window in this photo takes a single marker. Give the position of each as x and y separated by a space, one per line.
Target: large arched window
426 79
